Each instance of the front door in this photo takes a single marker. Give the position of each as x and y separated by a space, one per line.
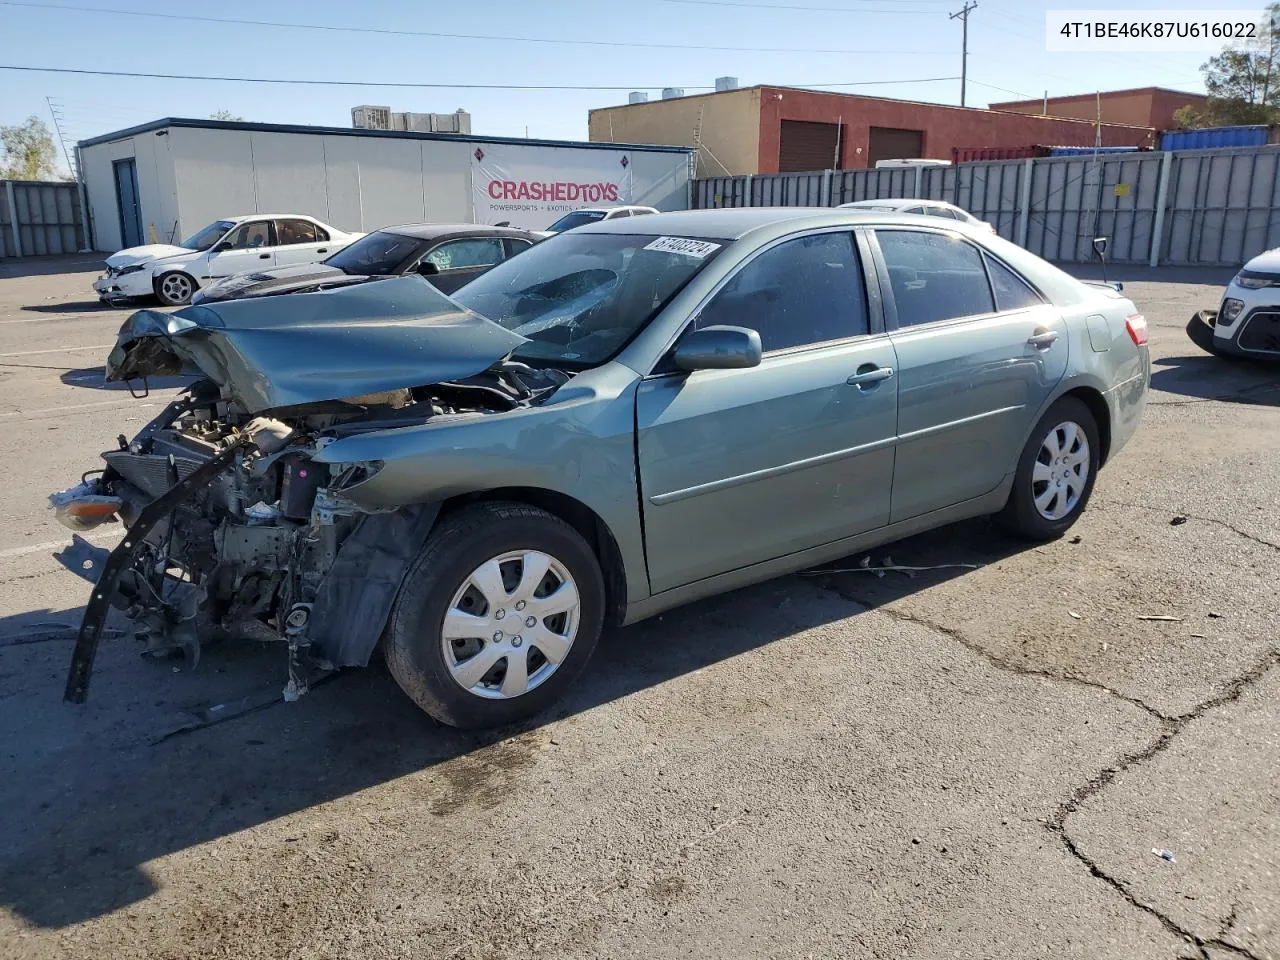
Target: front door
979 352
248 248
460 261
742 466
126 172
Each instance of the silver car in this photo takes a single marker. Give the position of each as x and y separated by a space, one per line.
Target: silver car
626 417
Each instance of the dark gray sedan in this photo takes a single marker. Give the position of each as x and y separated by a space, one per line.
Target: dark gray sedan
447 254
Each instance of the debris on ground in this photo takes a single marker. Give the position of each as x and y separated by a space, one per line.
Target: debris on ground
1076 539
888 566
1165 855
1177 521
1160 618
1073 615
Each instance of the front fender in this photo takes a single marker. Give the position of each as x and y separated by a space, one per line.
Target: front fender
580 444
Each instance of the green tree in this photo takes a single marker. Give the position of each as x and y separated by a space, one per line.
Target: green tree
27 152
225 115
1243 83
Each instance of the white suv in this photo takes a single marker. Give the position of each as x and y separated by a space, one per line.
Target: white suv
1247 323
224 248
578 218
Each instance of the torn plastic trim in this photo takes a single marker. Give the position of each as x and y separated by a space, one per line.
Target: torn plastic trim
121 559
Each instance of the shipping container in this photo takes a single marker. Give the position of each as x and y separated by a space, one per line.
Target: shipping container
977 154
1088 151
1212 138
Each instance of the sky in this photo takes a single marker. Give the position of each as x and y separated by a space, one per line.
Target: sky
892 48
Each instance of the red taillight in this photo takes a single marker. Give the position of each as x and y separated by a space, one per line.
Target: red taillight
1137 327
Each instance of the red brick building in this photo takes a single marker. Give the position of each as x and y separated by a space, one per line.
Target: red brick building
1142 106
779 129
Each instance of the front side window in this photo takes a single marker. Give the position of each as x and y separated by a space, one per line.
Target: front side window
289 232
581 297
463 254
251 236
803 291
378 254
934 276
206 238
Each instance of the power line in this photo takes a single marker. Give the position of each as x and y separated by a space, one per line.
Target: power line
992 86
789 6
431 86
385 31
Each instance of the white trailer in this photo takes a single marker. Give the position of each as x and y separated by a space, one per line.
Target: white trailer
164 180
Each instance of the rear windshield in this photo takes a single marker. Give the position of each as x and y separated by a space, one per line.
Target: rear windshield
581 297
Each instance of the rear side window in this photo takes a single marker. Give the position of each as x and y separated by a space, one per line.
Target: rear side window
1012 293
934 276
945 212
803 291
462 254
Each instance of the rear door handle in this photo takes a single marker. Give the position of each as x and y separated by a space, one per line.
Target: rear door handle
869 375
323 250
264 256
1043 341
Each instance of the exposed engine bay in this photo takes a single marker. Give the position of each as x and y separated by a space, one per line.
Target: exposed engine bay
233 532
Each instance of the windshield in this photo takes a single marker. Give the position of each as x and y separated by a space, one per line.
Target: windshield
207 237
575 219
580 297
378 254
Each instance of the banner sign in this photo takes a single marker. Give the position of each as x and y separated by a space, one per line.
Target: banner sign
533 186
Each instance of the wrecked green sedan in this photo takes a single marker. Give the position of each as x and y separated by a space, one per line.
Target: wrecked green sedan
624 418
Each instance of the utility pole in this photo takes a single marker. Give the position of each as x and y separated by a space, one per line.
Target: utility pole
963 14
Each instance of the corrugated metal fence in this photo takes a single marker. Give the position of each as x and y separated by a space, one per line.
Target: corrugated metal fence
40 219
1200 207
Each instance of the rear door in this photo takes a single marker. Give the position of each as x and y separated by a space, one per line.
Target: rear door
252 247
461 261
979 351
299 241
742 466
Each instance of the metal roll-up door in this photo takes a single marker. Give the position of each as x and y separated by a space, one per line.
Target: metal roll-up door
804 145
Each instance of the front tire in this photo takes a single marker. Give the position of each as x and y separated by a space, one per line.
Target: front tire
497 617
175 288
1200 332
1055 473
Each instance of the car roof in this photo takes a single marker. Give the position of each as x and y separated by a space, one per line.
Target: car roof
437 231
620 206
241 218
896 202
733 224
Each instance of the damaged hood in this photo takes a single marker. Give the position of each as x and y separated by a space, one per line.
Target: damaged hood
145 254
263 283
345 342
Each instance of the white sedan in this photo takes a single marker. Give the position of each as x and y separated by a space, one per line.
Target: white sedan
925 208
578 218
173 273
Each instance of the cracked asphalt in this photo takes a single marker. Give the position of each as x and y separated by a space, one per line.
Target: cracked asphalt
974 763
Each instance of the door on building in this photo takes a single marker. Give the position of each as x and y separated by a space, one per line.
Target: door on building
804 145
126 172
891 143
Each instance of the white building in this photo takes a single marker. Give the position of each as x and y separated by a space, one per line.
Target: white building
369 117
164 180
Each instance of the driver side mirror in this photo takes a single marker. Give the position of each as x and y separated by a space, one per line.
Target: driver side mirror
224 245
718 348
428 269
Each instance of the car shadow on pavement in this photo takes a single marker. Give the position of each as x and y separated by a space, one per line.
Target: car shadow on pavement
82 306
51 266
94 378
86 820
1205 377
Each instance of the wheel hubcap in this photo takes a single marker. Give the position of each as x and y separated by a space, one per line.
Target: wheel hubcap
497 663
1061 471
175 288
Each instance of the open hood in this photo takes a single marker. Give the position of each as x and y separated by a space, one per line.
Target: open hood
145 254
345 342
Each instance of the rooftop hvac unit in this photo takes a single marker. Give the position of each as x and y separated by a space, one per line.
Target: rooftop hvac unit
672 93
367 117
637 96
726 83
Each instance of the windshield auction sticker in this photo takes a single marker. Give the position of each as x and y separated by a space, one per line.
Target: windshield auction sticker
682 245
1082 31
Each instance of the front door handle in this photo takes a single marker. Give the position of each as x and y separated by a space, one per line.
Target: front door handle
264 256
1043 340
869 375
323 250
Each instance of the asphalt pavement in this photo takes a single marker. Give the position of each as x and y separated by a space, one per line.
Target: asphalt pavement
985 762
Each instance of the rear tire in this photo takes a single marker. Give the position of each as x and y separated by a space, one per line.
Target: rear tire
1055 474
472 575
